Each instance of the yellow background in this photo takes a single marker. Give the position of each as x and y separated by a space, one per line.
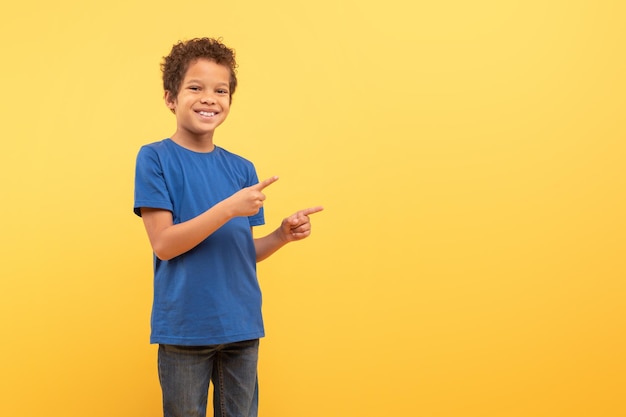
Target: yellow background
470 156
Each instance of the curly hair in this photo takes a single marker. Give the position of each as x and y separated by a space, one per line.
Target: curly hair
175 65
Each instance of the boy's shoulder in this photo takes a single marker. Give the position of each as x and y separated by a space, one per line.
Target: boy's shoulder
158 145
228 154
153 150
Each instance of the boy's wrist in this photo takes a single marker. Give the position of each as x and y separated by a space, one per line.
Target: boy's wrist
224 210
282 236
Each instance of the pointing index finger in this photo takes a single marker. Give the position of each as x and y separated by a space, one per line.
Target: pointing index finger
261 185
311 210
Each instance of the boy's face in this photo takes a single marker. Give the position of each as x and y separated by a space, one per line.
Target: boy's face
203 100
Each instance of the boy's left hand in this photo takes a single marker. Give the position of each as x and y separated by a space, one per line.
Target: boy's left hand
298 225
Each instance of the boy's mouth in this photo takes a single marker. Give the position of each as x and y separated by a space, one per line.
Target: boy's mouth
207 113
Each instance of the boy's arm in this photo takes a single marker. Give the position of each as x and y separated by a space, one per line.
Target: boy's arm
295 227
169 240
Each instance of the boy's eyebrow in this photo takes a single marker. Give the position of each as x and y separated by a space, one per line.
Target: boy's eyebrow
193 80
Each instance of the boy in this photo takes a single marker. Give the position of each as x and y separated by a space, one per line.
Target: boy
199 203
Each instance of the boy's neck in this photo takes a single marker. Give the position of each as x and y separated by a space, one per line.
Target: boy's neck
202 144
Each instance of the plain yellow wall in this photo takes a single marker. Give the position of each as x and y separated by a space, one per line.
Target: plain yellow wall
470 156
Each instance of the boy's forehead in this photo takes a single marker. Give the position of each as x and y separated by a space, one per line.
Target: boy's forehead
203 67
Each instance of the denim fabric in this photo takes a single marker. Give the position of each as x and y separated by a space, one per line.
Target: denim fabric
186 371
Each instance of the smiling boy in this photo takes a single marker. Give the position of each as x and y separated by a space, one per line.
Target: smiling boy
199 203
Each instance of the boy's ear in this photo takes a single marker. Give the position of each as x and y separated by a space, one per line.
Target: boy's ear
170 101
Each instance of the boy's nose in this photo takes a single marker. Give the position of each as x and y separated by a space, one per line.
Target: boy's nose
207 100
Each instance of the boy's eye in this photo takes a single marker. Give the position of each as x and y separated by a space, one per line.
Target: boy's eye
194 88
222 91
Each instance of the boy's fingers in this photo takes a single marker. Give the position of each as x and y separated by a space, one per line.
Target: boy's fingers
261 185
311 210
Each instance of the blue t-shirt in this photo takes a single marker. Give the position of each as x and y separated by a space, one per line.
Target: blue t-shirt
210 294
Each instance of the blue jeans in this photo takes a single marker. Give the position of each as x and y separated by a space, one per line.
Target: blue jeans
185 373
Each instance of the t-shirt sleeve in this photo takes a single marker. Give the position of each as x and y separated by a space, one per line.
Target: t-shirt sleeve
259 218
150 187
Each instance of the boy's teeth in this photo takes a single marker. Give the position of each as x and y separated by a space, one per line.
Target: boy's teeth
206 113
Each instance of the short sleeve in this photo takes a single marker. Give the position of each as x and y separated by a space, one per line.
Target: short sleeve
259 218
150 186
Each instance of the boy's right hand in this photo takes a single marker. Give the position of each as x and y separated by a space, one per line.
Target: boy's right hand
248 201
